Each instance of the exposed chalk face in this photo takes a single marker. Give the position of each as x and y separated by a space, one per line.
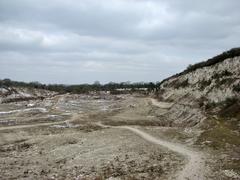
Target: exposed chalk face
215 82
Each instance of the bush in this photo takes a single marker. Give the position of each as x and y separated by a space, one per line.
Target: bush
222 74
179 84
236 88
230 108
229 54
201 101
203 84
210 105
230 101
226 82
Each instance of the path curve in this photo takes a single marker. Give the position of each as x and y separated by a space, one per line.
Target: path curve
193 169
161 104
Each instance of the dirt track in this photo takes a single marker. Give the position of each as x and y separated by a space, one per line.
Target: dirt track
194 168
160 104
69 144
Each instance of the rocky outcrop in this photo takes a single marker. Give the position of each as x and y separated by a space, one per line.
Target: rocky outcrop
195 89
15 94
216 83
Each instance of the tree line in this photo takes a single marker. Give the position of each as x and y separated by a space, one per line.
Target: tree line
112 87
234 52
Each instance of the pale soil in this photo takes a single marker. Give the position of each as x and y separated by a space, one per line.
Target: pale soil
195 166
194 169
69 143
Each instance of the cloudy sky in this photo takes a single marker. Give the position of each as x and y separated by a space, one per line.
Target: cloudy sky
80 41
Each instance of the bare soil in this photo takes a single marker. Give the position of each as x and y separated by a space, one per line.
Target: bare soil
63 137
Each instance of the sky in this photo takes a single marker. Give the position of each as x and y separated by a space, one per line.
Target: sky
82 41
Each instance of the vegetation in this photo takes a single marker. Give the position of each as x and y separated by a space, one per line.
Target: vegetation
226 109
201 101
236 88
228 54
220 75
210 105
222 78
179 84
230 108
204 83
85 88
221 133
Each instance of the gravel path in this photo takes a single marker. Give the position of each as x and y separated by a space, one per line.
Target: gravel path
193 169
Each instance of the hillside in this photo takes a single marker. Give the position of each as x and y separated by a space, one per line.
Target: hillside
206 97
209 86
14 94
190 131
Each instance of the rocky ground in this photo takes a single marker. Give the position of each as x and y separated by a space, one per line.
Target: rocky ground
99 137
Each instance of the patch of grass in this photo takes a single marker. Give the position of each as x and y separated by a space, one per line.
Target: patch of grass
230 108
236 88
220 133
226 81
202 101
176 134
16 147
135 123
210 105
227 109
204 83
179 84
89 127
222 74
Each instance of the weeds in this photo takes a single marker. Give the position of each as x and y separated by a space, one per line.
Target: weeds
220 134
179 84
203 84
236 88
222 74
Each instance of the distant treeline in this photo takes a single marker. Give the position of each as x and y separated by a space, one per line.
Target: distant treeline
84 88
219 58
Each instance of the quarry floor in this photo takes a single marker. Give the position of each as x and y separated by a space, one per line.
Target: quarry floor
98 137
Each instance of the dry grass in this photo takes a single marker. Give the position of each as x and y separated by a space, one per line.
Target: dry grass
134 123
220 132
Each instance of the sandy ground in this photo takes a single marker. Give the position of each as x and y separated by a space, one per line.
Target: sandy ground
194 168
64 138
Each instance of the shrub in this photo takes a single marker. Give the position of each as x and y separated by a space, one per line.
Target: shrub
203 84
210 105
236 88
222 74
229 54
179 84
201 101
226 73
230 101
226 81
230 108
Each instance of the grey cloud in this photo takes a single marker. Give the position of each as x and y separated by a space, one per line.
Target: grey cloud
111 40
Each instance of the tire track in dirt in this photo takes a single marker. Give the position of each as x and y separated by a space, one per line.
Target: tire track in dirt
193 169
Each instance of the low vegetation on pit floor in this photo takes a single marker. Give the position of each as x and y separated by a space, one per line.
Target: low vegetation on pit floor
222 135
